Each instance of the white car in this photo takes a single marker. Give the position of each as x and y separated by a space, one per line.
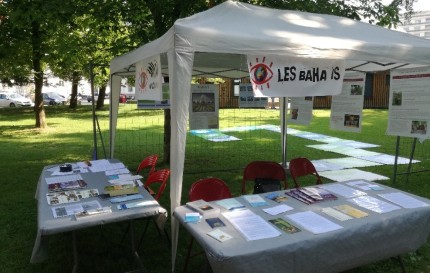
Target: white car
14 100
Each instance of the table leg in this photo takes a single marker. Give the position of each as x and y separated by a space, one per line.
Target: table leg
75 253
134 250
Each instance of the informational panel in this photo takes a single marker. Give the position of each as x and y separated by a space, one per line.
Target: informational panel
149 79
282 76
409 104
301 110
204 107
157 104
347 107
247 99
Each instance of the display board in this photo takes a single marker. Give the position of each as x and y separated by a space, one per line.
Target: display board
409 111
301 110
247 99
347 107
204 107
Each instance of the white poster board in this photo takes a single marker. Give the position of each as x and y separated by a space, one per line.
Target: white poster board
283 76
204 107
149 79
247 99
301 110
409 103
347 107
157 104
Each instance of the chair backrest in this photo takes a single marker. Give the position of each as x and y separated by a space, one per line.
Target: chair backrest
209 189
148 162
302 166
264 170
160 177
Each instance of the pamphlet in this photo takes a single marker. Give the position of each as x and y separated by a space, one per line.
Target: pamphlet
192 217
56 198
230 204
68 185
215 222
277 197
202 207
219 235
351 211
255 200
336 214
72 209
283 225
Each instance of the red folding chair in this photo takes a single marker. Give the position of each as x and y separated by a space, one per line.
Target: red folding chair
300 167
263 170
148 162
158 178
208 189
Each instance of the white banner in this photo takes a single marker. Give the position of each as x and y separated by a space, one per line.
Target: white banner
281 76
347 107
148 79
409 111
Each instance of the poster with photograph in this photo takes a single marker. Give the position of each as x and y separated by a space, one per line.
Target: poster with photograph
409 111
204 107
300 111
247 99
156 104
347 107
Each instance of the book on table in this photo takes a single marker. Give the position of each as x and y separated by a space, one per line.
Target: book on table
203 207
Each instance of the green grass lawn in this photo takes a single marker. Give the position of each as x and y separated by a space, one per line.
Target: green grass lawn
26 150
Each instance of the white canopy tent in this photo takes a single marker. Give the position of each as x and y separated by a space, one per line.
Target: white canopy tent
214 43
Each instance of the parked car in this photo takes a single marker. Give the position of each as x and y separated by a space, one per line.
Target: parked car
14 100
53 98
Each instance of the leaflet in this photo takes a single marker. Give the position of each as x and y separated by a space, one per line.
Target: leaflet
313 222
250 225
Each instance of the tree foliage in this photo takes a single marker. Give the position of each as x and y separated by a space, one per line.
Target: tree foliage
70 35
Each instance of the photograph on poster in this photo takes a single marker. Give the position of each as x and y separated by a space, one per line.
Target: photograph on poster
352 120
294 113
397 98
419 127
203 102
356 89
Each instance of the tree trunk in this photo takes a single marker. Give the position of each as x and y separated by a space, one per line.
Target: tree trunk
167 136
36 43
101 98
74 95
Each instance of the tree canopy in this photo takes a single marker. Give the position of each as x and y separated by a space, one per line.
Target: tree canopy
68 36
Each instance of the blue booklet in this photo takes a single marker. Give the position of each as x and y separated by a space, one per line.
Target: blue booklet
215 222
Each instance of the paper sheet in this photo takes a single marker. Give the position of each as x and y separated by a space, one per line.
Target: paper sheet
250 225
313 222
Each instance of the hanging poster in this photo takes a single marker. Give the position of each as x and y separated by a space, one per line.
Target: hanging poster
301 110
283 76
157 104
204 107
347 107
409 111
149 79
247 99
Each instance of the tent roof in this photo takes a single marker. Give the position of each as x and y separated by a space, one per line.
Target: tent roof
222 36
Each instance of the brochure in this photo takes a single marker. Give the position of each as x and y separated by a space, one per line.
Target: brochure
202 207
230 204
219 235
255 200
283 225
